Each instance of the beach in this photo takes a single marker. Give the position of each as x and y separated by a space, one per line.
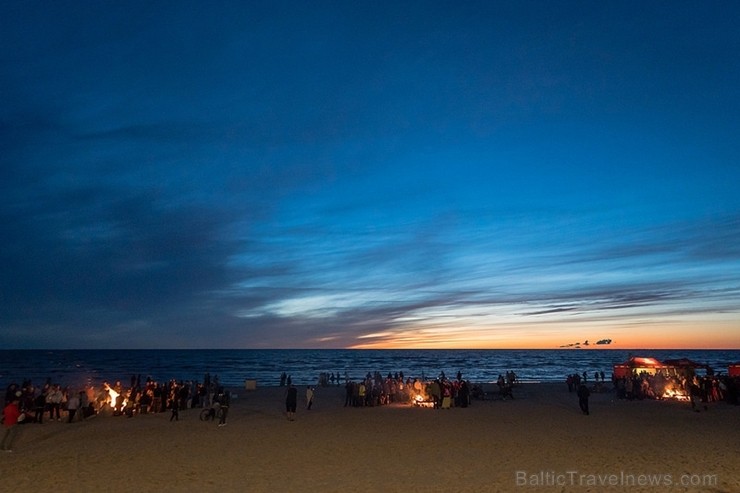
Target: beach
539 441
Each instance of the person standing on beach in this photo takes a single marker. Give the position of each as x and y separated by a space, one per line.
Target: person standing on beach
54 402
583 395
349 393
224 400
695 395
291 401
39 406
175 406
73 403
309 397
11 413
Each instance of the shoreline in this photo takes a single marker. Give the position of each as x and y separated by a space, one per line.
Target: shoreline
79 368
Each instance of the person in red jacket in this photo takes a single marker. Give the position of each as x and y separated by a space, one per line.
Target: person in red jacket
11 413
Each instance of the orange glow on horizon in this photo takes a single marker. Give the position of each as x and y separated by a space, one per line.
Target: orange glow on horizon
523 346
721 336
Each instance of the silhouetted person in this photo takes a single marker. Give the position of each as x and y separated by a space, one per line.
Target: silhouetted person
583 395
175 406
225 401
291 401
309 397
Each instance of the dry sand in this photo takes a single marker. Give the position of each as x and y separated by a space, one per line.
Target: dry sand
538 442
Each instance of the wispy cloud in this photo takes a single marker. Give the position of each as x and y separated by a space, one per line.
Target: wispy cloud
458 175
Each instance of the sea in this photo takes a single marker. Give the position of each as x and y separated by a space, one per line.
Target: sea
80 368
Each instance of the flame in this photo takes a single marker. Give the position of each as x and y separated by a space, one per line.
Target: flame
421 402
112 396
675 393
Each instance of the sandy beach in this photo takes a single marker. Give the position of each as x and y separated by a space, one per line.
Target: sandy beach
540 441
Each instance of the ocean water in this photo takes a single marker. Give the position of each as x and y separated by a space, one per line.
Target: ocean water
234 366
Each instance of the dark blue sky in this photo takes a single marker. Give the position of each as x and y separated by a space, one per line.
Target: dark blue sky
327 174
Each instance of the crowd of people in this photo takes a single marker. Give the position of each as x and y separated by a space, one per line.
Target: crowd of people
26 403
378 390
574 380
375 389
52 402
685 385
697 389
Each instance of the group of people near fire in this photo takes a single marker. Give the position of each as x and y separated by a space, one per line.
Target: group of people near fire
51 401
441 392
377 390
698 390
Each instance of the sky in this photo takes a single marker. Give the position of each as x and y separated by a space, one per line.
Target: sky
289 174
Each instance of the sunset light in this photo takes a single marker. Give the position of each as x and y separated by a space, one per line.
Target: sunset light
485 175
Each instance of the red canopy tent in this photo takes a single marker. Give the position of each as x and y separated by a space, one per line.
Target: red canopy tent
734 369
684 366
638 365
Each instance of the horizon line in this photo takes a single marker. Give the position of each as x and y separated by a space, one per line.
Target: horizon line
590 347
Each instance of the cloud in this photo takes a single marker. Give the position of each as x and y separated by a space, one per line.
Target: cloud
318 177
